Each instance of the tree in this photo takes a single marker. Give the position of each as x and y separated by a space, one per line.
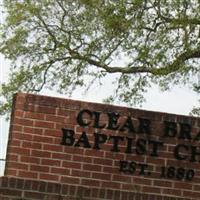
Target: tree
64 44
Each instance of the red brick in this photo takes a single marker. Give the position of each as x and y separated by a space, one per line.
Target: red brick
28 174
12 182
121 178
34 195
19 105
112 170
115 156
53 118
174 192
42 139
143 181
90 182
40 154
20 97
51 162
189 194
163 183
12 157
10 192
131 187
92 167
83 159
94 153
44 124
10 172
19 150
73 150
70 180
103 161
183 185
28 159
31 145
19 113
156 161
52 147
39 168
62 156
112 185
81 173
16 127
33 130
50 177
60 171
53 133
150 190
22 136
22 121
67 113
16 165
33 115
189 186
45 109
101 176
4 181
71 165
20 183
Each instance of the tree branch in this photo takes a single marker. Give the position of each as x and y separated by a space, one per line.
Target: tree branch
177 64
48 31
174 66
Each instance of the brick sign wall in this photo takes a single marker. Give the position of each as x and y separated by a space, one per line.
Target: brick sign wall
116 150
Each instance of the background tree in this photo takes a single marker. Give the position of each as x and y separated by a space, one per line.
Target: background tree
64 44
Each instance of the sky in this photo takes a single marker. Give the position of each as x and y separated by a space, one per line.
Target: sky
177 101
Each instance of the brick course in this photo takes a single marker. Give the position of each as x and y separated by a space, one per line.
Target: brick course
37 164
13 188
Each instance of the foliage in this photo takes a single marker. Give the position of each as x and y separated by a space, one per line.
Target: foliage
65 44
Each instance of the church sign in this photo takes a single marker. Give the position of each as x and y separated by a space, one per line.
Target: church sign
99 146
141 146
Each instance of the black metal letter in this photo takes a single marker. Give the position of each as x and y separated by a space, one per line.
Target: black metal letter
144 126
156 145
197 138
170 129
112 121
116 140
123 166
129 145
128 125
141 146
132 167
84 140
80 119
185 131
97 120
68 137
177 152
194 154
142 169
99 139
